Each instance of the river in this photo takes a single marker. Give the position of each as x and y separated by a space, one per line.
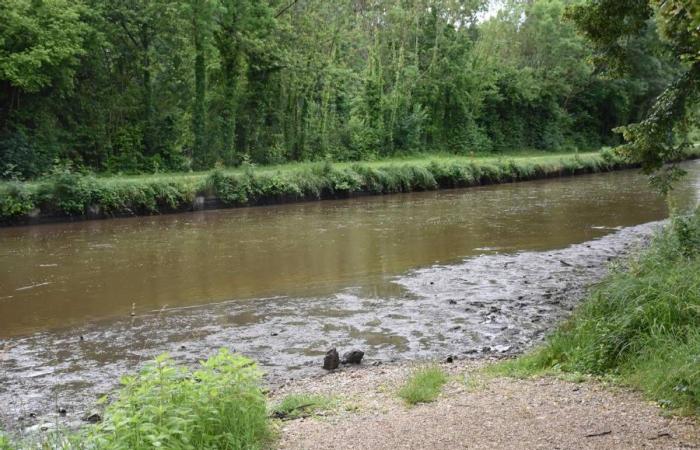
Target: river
466 272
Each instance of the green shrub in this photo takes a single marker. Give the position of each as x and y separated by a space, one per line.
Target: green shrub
221 405
15 201
423 385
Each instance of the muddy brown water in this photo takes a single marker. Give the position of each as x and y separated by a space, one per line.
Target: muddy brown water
462 272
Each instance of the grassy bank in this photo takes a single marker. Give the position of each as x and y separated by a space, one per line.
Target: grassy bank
640 326
71 195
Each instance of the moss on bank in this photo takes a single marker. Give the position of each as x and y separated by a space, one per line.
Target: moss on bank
71 195
641 325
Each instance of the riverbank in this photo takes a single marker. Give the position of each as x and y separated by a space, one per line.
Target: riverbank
477 410
70 196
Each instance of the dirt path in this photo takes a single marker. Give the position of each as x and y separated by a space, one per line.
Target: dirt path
477 412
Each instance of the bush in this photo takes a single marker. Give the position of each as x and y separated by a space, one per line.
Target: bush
424 385
221 405
15 201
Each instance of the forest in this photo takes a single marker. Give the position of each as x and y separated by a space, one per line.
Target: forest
138 86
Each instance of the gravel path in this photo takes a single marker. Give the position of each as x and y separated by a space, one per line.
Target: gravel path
481 413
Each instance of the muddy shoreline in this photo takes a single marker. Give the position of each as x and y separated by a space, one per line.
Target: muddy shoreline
486 306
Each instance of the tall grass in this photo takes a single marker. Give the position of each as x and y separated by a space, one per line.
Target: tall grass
641 325
423 385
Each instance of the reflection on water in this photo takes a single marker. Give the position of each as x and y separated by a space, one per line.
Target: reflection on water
55 276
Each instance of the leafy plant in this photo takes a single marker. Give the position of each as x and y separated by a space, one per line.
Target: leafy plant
220 405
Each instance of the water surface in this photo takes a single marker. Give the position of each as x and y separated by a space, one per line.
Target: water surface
57 276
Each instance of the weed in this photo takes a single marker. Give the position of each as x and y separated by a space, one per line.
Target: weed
294 406
423 385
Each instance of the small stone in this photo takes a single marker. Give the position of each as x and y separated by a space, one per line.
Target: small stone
332 360
62 411
450 359
485 349
452 302
353 357
92 417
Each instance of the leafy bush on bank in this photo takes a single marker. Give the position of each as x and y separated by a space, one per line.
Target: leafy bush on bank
641 325
70 194
221 405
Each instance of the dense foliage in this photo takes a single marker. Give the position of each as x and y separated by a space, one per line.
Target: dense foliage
663 132
153 85
65 193
641 324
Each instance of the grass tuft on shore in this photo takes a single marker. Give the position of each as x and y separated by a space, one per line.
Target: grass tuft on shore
294 406
640 326
423 385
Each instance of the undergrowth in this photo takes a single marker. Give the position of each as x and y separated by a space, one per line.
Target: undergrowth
220 405
70 194
640 326
423 385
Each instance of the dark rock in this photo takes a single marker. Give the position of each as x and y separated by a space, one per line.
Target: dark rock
182 347
92 417
564 263
353 357
450 359
377 363
32 415
486 350
62 411
274 334
332 360
452 302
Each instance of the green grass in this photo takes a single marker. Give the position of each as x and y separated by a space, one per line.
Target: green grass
639 327
423 385
294 406
67 194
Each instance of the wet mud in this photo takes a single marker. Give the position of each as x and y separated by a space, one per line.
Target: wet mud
492 303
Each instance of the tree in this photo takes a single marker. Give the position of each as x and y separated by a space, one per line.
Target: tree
660 137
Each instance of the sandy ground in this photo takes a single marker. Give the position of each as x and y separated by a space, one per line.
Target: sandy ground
480 412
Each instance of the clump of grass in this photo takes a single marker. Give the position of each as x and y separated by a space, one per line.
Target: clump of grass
640 326
423 385
5 443
220 405
294 406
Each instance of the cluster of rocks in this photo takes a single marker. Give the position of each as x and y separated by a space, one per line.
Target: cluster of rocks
332 359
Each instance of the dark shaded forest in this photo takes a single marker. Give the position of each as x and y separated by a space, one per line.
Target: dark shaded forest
159 85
